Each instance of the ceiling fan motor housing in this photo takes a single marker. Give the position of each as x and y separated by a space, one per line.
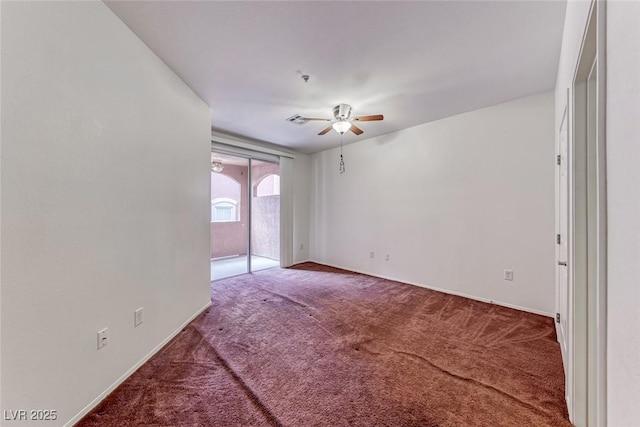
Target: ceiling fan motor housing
342 111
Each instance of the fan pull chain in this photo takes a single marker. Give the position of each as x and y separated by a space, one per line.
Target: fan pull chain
342 168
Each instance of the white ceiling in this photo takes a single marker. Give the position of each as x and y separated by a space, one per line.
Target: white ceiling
414 62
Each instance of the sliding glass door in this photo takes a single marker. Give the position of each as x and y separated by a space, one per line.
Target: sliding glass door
265 215
229 215
245 215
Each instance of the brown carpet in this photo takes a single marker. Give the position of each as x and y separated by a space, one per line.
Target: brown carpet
317 346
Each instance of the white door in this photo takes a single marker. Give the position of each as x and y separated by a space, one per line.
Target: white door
563 286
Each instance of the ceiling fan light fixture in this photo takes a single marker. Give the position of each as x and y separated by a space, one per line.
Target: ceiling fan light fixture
216 167
341 126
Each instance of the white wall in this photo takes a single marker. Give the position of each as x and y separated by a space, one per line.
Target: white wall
623 210
453 202
301 173
105 203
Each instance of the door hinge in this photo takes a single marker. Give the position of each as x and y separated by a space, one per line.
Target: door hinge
557 238
557 317
558 159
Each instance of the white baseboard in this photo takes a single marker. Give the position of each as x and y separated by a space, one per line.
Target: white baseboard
134 368
446 291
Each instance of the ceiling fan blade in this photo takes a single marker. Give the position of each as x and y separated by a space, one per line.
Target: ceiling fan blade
355 129
325 130
307 119
369 118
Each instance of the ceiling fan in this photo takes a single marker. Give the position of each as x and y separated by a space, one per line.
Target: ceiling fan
342 122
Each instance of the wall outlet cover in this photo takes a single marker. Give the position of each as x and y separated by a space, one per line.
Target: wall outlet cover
103 338
508 275
137 317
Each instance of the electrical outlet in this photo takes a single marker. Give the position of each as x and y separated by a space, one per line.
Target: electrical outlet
372 254
137 317
103 338
301 246
508 275
386 257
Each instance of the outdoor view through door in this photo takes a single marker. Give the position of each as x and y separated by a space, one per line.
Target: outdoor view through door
245 215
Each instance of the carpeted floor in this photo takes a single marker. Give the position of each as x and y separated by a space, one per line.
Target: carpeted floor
317 346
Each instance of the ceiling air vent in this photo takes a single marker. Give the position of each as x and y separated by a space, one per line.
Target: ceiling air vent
297 119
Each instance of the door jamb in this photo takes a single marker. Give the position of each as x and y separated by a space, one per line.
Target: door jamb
587 388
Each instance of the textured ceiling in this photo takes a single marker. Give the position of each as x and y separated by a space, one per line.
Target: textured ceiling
414 62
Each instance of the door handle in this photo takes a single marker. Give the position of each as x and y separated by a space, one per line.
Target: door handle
564 263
